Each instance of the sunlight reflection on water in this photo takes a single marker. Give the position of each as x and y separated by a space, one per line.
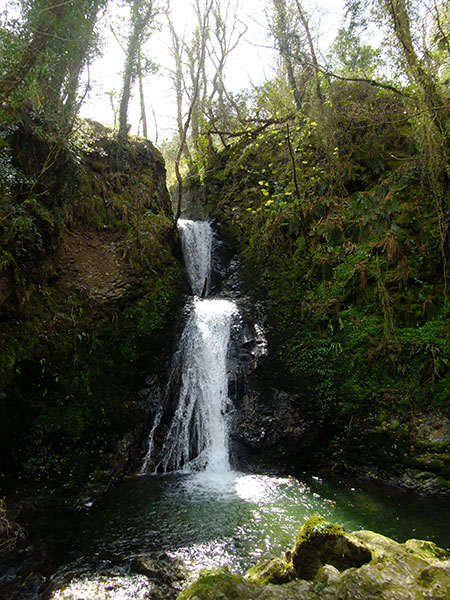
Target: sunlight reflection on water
272 509
231 518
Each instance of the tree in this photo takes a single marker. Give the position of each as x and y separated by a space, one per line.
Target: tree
197 68
350 56
46 56
291 30
401 23
440 38
304 20
178 51
226 35
142 16
285 41
431 119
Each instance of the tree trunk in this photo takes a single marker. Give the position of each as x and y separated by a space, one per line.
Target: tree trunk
424 80
139 23
29 59
193 103
312 50
281 35
141 97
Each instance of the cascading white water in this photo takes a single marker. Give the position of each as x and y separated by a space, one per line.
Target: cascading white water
197 438
196 242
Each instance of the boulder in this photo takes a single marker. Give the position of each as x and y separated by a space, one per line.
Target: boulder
275 570
321 543
327 563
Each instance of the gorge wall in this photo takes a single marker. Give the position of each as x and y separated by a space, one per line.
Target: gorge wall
90 280
337 230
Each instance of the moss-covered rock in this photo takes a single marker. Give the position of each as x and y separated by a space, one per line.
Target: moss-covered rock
319 543
367 566
275 570
221 584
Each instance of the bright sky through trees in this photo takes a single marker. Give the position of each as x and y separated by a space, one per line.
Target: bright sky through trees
251 62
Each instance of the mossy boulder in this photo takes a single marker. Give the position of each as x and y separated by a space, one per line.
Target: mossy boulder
321 543
331 564
398 571
221 584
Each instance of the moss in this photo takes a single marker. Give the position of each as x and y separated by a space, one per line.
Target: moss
443 483
317 525
212 584
411 570
275 571
426 549
319 542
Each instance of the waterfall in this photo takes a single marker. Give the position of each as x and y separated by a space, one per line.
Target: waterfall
196 242
197 437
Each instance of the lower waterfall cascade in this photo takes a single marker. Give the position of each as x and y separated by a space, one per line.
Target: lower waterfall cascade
197 438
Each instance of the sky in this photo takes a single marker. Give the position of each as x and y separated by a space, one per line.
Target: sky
252 62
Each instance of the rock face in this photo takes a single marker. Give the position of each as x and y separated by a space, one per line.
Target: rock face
411 451
327 562
92 316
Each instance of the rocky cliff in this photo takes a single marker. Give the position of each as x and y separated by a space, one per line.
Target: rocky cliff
90 279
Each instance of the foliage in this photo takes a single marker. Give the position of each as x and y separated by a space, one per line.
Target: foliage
45 49
338 229
142 15
351 55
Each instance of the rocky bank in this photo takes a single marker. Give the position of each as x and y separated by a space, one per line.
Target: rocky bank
329 563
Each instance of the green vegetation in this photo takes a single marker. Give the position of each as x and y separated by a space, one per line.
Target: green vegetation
331 179
337 202
92 283
89 280
351 265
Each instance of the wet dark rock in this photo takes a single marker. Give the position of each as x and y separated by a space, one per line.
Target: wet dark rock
150 576
272 432
410 452
21 577
161 569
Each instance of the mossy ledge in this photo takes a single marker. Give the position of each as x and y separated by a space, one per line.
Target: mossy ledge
91 280
327 562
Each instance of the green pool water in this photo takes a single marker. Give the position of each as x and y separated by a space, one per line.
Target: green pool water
236 518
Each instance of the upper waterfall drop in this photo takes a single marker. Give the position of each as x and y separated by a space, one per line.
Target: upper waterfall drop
196 242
